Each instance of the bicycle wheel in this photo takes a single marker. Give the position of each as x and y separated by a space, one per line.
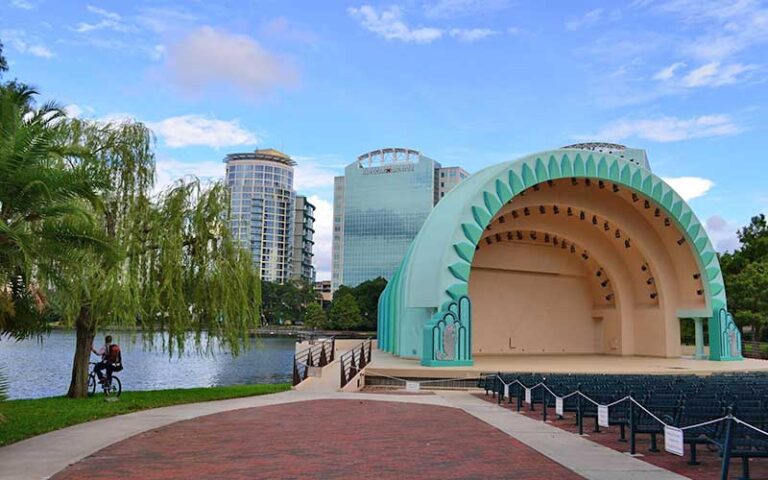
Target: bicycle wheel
92 384
115 388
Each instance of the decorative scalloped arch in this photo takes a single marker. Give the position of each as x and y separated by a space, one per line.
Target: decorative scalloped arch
536 169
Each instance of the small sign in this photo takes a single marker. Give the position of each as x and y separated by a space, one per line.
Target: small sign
559 406
506 391
412 387
673 440
602 415
528 396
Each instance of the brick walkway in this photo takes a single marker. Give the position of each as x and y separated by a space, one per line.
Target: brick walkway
322 439
710 462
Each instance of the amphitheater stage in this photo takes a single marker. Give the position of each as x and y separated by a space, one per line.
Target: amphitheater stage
385 364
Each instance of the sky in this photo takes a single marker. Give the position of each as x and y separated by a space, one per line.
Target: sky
467 82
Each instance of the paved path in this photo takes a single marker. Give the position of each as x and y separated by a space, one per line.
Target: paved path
429 436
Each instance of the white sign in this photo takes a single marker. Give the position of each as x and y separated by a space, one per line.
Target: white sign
528 396
602 415
506 391
673 440
412 387
559 406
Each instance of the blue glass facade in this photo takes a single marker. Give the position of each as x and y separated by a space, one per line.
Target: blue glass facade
385 205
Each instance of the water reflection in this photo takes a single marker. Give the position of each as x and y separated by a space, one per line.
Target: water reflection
41 369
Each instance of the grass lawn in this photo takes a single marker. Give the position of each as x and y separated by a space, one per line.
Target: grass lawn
27 418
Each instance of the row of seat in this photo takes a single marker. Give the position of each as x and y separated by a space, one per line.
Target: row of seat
677 400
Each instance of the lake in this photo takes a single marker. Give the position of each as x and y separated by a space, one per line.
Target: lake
36 369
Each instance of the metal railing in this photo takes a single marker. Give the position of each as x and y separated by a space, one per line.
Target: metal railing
317 355
354 360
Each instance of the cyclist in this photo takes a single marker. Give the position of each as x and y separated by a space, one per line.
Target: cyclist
111 360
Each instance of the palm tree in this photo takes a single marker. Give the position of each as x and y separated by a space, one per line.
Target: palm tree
46 200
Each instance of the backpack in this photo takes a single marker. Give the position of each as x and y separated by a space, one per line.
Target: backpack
115 357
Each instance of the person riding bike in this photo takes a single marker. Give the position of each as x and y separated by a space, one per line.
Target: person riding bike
111 360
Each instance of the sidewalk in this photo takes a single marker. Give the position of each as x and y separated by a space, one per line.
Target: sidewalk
45 455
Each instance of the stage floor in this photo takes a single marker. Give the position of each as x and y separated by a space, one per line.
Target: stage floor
386 364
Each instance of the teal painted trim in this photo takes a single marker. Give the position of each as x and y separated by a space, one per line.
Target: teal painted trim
454 322
724 337
530 171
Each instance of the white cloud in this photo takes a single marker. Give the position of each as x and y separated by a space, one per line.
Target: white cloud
668 73
668 129
471 34
77 111
312 175
323 236
209 57
169 170
727 27
108 21
591 18
722 233
714 74
198 130
388 24
690 187
23 4
23 43
462 8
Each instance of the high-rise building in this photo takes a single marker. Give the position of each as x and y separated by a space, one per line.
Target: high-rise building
379 206
303 240
262 210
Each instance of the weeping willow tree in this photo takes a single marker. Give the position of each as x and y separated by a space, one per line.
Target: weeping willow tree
175 270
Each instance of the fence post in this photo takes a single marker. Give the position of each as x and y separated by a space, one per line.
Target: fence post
343 377
631 424
545 403
579 417
333 348
296 378
323 358
497 388
727 445
518 398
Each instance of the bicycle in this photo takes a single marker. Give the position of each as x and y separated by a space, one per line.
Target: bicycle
113 389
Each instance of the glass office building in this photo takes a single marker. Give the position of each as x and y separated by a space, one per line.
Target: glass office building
262 209
303 240
379 206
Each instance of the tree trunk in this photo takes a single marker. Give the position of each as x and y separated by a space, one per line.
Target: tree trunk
78 386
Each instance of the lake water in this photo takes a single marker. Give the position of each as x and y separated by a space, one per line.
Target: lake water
33 369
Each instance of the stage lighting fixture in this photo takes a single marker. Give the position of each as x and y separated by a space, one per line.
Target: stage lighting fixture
609 297
533 235
585 256
650 281
634 197
653 295
526 212
618 233
696 276
599 272
501 219
606 227
550 183
594 220
667 222
573 249
535 188
574 182
601 184
647 204
546 238
604 283
488 240
615 188
555 210
570 212
644 267
699 292
626 243
509 235
519 235
681 241
498 237
657 213
582 215
514 213
542 210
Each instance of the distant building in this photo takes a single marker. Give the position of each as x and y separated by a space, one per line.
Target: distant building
262 209
323 288
303 240
379 206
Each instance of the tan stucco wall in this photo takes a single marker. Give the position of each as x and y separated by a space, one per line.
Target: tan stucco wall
572 310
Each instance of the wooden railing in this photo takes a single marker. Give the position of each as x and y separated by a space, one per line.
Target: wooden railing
318 355
354 360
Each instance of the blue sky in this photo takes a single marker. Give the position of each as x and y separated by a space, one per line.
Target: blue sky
468 82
